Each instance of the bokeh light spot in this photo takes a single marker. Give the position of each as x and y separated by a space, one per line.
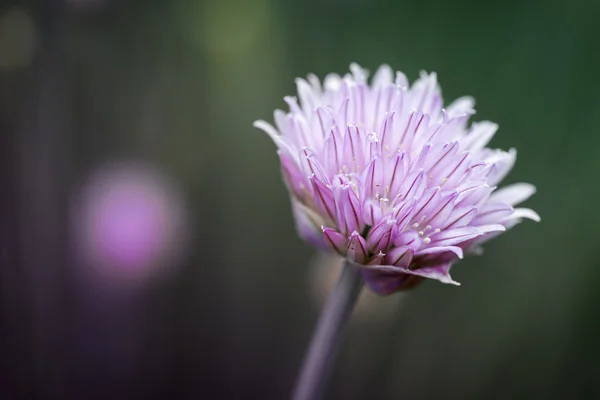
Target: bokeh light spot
129 223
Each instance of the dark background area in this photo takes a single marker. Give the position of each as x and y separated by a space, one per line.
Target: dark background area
175 86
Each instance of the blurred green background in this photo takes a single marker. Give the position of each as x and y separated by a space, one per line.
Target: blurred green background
177 84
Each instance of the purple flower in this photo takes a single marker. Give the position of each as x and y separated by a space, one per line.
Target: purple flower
386 177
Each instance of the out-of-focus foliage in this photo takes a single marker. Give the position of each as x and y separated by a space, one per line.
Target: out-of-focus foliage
177 84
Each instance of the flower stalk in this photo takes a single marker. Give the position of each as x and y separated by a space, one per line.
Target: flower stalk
320 357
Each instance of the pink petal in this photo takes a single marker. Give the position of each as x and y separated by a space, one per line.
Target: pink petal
455 236
323 197
400 257
513 194
388 140
307 224
395 171
412 187
481 133
276 137
380 235
439 272
332 150
441 249
442 211
334 240
293 176
373 178
353 152
403 214
460 217
385 283
312 166
492 213
326 122
524 213
348 209
371 212
357 248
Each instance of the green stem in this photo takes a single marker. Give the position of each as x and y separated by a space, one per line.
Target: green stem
320 357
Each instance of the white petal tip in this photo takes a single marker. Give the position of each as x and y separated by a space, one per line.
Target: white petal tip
525 213
259 123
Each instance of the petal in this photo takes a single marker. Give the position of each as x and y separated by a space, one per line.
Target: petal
462 105
400 257
323 197
403 214
401 80
457 169
380 235
308 98
281 121
444 157
502 162
473 193
332 82
359 73
341 115
312 166
383 77
292 102
384 283
307 224
334 240
513 194
357 248
332 150
354 150
460 217
409 238
349 214
454 236
427 203
412 187
371 212
415 127
373 178
441 249
326 122
395 171
444 208
491 228
492 213
439 272
293 176
304 135
388 139
424 91
479 136
525 213
376 259
276 137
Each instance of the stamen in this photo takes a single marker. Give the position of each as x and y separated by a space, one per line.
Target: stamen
427 240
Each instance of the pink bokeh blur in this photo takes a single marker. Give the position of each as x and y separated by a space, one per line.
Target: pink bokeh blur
129 222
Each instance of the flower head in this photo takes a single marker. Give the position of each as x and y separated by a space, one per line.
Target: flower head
383 175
